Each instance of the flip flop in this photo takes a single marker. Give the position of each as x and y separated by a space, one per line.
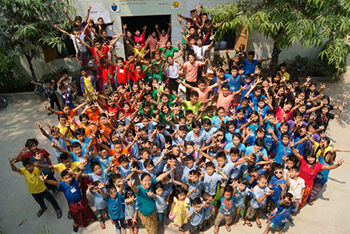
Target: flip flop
41 212
59 213
259 225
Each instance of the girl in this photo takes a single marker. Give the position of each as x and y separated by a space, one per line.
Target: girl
131 211
220 119
179 208
308 171
161 205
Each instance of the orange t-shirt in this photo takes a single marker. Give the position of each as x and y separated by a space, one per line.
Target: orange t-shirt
93 116
70 115
106 130
116 161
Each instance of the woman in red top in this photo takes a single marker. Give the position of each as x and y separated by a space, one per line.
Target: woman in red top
284 114
308 171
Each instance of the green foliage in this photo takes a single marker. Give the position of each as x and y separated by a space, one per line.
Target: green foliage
25 27
320 23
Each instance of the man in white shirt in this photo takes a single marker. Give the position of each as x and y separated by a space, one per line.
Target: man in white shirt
200 49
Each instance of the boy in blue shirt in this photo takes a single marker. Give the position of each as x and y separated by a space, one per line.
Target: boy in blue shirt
226 209
277 184
196 214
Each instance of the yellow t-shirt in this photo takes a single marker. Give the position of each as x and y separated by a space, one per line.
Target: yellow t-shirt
286 75
88 87
63 131
35 185
61 167
318 151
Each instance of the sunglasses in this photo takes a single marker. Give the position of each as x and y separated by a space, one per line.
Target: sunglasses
278 172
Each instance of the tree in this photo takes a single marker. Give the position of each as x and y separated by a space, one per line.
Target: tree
25 27
320 23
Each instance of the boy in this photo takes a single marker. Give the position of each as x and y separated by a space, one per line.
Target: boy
296 185
225 98
196 215
79 208
35 186
278 185
87 83
250 63
256 205
226 208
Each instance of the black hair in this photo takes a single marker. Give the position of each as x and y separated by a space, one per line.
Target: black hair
242 180
144 175
64 156
30 142
64 173
76 145
209 164
196 201
27 161
82 116
157 186
228 189
94 164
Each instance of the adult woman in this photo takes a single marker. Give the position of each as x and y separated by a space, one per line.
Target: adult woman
309 168
145 200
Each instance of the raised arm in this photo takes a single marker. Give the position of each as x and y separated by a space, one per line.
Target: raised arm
84 43
296 153
61 30
87 14
40 126
13 167
334 166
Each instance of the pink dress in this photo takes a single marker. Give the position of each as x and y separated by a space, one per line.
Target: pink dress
163 40
152 43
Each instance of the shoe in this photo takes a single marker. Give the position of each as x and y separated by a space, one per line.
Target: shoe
40 212
59 213
75 229
69 215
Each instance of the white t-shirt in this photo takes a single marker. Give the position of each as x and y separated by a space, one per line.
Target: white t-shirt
77 44
200 51
296 186
173 71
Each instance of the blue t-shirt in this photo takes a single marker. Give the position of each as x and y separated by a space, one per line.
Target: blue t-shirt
99 201
281 152
216 121
210 182
276 187
71 191
115 207
249 150
240 196
61 143
258 193
196 218
198 189
227 206
130 209
249 68
233 83
145 203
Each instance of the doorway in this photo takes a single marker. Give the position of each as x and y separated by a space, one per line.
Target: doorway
137 22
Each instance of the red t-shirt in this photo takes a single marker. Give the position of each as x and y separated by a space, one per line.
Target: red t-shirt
279 115
111 109
98 55
29 154
108 73
137 77
122 75
309 173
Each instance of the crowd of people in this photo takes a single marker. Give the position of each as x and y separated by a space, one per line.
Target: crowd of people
156 141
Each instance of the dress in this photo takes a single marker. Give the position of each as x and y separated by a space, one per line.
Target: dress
180 211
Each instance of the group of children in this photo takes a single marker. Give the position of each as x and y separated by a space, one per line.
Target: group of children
157 141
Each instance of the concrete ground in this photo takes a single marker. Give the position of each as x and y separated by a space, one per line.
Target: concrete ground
18 122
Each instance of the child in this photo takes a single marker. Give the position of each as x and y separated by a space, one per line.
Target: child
226 208
278 185
196 216
240 194
87 83
161 205
284 208
296 186
179 208
256 205
131 211
115 207
35 186
79 208
211 178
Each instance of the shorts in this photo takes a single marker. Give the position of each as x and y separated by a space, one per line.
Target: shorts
196 229
239 211
83 55
100 215
252 213
131 223
221 216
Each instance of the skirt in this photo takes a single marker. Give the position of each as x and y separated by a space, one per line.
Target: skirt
149 222
81 212
316 189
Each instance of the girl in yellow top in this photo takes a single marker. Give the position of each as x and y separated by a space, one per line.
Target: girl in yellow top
179 208
64 127
35 186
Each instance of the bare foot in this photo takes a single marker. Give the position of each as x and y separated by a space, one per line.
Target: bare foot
228 228
311 203
102 225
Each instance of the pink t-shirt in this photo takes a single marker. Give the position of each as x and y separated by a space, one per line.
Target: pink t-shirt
152 43
191 71
279 115
203 95
141 39
224 101
163 40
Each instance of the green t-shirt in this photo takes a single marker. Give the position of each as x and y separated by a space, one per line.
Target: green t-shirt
163 119
159 76
195 108
146 204
168 52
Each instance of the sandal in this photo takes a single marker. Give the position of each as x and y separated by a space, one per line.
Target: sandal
258 224
59 213
75 228
248 224
41 212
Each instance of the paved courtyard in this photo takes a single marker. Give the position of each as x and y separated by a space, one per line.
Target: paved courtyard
330 214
